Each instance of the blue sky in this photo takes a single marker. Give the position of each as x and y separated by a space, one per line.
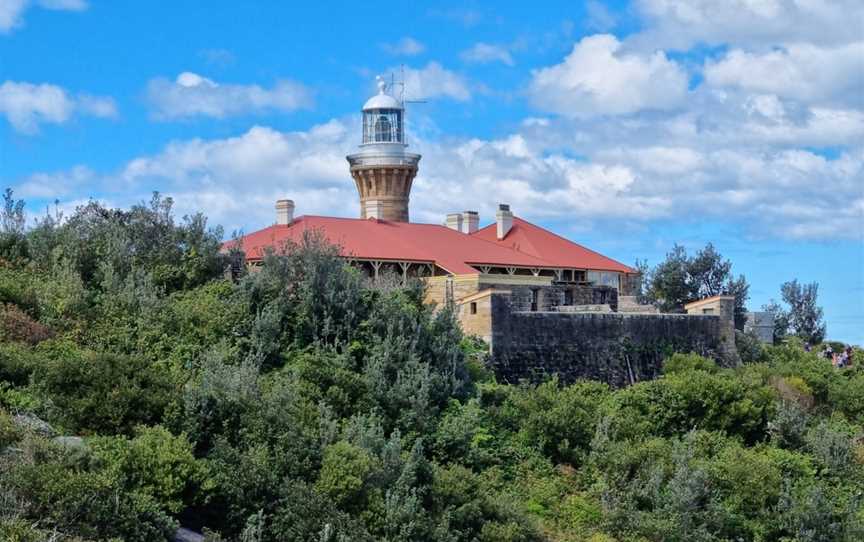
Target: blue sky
627 126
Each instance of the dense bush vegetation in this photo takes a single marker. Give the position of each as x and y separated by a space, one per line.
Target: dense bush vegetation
141 390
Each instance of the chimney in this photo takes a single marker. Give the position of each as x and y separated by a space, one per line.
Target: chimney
284 212
454 221
470 222
504 220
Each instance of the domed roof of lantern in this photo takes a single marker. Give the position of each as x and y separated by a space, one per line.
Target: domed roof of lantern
382 100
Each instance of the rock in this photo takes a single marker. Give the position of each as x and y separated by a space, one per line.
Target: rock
186 535
31 422
70 442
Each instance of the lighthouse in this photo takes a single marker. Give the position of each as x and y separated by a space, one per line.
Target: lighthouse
382 170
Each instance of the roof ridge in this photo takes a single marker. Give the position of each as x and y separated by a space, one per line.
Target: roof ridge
378 220
498 245
583 247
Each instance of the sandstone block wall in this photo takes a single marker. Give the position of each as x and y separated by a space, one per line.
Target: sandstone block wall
556 297
384 190
616 348
475 316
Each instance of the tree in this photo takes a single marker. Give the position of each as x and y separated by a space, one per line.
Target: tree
740 290
644 272
668 286
708 272
13 243
781 320
805 317
680 279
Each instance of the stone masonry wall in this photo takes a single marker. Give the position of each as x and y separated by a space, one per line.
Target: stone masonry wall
550 298
612 347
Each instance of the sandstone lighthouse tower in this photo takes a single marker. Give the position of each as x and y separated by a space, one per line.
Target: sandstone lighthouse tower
382 170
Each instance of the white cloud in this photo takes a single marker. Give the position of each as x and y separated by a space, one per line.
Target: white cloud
598 78
802 71
407 46
483 53
27 105
435 81
626 177
57 185
97 106
236 180
681 23
192 95
11 11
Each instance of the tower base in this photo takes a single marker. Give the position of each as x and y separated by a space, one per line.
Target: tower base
384 190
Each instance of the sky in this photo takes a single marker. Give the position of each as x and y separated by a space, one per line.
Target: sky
625 126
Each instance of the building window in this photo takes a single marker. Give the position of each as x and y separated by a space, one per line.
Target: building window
707 311
534 296
568 297
473 308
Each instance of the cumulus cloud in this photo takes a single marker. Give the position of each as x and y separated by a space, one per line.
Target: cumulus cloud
484 53
626 176
236 180
407 46
191 95
27 105
12 11
56 185
680 24
769 139
435 81
597 78
802 71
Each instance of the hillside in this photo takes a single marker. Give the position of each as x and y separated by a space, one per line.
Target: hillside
142 390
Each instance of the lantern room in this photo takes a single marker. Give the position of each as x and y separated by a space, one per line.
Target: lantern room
383 117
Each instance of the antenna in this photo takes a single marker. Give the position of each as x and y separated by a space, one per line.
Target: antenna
402 99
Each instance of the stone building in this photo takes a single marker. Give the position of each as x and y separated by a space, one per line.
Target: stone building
760 324
544 303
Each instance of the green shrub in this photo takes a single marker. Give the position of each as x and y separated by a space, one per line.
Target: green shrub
62 492
9 432
693 399
103 393
749 347
17 362
16 286
154 463
345 473
559 421
678 363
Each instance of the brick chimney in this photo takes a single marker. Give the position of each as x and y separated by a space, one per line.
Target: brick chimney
284 212
504 220
454 221
470 222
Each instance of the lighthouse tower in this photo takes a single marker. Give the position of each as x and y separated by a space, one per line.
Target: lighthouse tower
382 170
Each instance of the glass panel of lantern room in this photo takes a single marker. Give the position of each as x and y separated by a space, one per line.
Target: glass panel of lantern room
398 126
368 127
383 129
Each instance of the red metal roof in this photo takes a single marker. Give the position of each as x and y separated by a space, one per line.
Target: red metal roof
432 243
527 238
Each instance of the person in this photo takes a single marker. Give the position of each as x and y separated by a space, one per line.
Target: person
807 347
849 357
843 358
829 352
